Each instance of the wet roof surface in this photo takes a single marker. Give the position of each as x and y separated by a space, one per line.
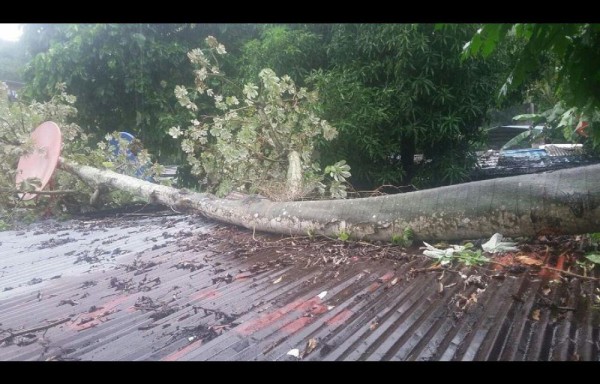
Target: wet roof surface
177 287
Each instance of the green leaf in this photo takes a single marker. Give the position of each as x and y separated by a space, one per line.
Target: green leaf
517 139
593 257
343 236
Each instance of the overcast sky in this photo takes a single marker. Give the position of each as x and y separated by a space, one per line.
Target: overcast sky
11 32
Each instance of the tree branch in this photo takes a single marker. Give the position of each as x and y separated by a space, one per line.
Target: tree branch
570 273
58 192
37 329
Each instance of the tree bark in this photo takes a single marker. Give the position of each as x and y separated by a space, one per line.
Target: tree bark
294 175
560 202
407 158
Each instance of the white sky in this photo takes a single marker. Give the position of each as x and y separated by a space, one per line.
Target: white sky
11 32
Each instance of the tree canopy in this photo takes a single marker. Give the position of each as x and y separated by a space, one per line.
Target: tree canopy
122 74
395 90
12 59
391 90
574 69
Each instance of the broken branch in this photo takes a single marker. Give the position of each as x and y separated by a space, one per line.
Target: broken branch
37 329
570 273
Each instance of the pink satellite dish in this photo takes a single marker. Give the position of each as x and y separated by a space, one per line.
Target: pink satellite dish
43 161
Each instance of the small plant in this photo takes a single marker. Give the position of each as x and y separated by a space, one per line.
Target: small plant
343 236
397 239
462 253
405 239
593 257
470 257
587 266
594 239
4 226
408 236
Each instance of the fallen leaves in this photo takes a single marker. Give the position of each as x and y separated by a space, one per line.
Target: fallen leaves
278 280
535 315
529 260
546 291
593 257
374 324
310 346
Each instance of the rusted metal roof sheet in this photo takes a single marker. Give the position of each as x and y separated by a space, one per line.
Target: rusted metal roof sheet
182 288
493 164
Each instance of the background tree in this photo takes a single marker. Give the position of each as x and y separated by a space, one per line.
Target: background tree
573 73
122 74
392 90
397 90
12 59
294 49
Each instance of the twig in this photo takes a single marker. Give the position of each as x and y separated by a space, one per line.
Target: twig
570 273
428 269
59 192
37 329
289 238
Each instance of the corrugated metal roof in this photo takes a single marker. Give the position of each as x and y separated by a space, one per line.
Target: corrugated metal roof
494 164
179 287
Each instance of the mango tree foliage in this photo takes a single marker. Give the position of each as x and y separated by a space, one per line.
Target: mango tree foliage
294 49
577 70
258 137
396 90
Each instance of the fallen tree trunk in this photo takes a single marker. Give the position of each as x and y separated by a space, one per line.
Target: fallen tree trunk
561 202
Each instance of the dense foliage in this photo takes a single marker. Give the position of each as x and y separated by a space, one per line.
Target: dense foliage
573 73
398 90
12 59
258 137
122 74
392 90
292 49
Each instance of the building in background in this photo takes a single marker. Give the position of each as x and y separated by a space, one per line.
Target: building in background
13 89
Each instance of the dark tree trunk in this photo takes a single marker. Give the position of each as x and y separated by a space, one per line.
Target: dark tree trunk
407 158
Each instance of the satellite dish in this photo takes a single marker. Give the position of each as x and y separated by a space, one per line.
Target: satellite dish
40 164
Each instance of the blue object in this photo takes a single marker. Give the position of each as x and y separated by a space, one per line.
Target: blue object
127 137
534 153
130 156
